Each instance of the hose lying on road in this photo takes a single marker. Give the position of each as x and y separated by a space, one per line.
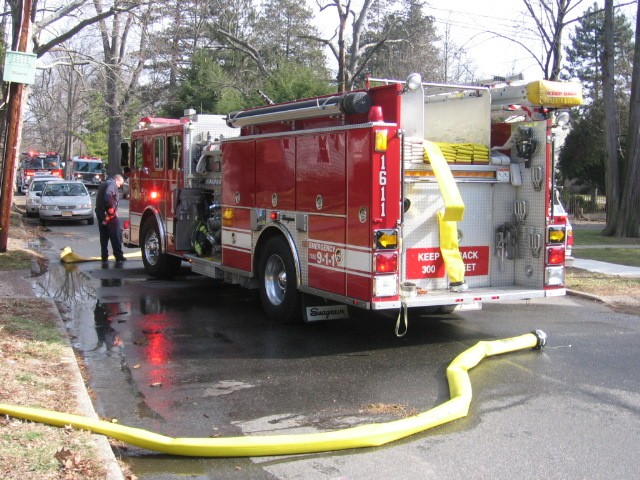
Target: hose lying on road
355 437
69 256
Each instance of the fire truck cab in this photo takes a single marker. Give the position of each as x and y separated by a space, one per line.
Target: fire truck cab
89 170
37 163
403 195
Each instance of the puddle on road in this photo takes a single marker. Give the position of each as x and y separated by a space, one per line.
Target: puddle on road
65 283
225 387
127 332
39 244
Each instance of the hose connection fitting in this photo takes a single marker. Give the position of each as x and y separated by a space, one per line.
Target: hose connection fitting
542 339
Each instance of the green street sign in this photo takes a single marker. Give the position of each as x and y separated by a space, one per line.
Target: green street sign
20 67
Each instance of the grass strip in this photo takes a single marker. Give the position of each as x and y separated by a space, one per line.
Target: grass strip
620 256
593 237
600 284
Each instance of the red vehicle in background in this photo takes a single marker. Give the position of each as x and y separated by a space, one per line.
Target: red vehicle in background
37 163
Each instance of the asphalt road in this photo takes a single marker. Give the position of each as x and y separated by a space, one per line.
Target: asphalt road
196 358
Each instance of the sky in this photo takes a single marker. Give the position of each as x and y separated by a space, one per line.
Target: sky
471 20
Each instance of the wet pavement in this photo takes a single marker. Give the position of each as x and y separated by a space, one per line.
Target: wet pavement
196 358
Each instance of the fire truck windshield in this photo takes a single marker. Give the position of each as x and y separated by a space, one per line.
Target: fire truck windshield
49 162
52 161
87 166
33 163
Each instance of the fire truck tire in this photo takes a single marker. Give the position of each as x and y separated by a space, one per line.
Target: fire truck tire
279 294
156 263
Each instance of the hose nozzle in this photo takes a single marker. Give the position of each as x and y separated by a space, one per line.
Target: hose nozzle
542 339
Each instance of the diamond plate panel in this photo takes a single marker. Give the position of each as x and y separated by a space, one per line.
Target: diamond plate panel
488 205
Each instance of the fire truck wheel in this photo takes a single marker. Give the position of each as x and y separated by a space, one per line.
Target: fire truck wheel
278 286
155 262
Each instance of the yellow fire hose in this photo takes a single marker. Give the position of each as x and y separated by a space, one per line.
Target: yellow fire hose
453 212
355 437
69 256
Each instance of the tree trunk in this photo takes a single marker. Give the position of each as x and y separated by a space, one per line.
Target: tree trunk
343 15
115 122
628 224
612 174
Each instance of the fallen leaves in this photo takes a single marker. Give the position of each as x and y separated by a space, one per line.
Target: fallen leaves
72 465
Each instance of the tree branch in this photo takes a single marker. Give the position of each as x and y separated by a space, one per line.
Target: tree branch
522 45
244 46
42 49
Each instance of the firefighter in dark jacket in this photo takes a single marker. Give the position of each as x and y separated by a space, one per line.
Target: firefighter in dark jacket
107 215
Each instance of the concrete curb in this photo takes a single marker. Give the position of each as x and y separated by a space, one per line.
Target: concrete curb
585 295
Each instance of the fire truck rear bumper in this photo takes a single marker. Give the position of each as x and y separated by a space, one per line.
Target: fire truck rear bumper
469 297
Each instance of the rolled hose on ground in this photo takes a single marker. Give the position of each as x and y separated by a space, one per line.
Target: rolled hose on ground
69 256
369 435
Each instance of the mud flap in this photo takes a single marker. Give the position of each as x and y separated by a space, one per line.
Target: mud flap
316 309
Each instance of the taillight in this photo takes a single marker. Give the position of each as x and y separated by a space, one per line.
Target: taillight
385 262
570 237
126 224
556 234
385 239
555 255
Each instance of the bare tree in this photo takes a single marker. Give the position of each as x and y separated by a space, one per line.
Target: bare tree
612 175
455 66
353 57
60 99
51 28
550 18
121 78
628 219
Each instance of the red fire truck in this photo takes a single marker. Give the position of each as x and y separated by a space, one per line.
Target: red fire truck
402 196
37 163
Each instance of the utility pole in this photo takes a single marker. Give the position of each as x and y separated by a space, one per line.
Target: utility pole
14 129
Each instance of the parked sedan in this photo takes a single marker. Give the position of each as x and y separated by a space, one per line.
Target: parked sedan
65 200
34 194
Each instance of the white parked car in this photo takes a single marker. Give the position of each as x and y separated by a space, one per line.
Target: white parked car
34 193
65 200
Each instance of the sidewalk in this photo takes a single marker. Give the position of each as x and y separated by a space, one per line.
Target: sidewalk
606 268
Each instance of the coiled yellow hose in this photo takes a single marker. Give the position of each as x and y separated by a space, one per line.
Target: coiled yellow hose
356 437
